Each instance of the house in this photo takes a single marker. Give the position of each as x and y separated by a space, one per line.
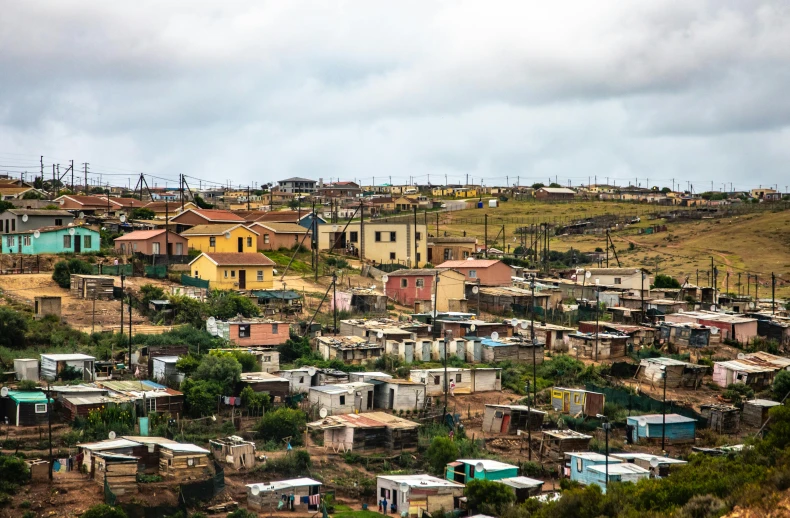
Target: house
757 374
339 190
151 242
226 237
464 470
678 373
118 446
46 305
234 271
266 496
467 381
755 411
273 236
513 348
92 286
371 432
406 204
368 375
450 248
460 325
15 192
598 346
417 495
265 382
575 401
165 370
379 242
657 465
343 398
625 278
116 472
554 194
52 240
731 327
252 332
649 428
146 395
297 185
638 336
81 403
182 462
352 350
147 450
506 419
84 204
25 408
722 419
685 335
168 209
299 380
619 472
555 444
660 307
485 272
54 366
523 488
194 217
391 329
415 288
234 451
19 220
397 394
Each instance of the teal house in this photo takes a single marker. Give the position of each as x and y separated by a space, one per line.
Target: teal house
22 408
464 470
51 240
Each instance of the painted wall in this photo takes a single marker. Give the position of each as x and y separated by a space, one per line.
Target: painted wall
227 277
52 242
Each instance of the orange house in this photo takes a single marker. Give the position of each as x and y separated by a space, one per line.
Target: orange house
273 236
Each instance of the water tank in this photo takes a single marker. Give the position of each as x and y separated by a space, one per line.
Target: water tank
492 203
480 205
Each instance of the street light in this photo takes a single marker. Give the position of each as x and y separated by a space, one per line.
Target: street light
606 427
664 411
529 424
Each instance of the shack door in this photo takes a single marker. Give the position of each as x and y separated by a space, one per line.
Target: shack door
593 404
370 400
392 399
242 279
566 402
77 244
505 423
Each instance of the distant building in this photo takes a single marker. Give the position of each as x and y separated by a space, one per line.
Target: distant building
151 242
52 240
649 428
343 398
464 470
486 272
442 249
234 271
297 185
423 494
379 242
554 194
224 237
19 220
415 288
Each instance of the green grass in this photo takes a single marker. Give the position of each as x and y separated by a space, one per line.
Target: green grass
356 514
282 258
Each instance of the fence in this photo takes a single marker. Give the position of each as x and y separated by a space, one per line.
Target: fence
163 259
186 280
204 490
112 269
158 271
643 404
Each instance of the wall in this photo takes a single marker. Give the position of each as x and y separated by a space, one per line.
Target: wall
380 251
451 286
223 244
215 275
332 401
52 242
406 397
261 333
269 240
145 246
498 274
33 222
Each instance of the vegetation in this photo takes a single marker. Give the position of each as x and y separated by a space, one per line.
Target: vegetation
486 496
781 386
665 281
104 511
142 213
13 326
295 464
282 423
64 270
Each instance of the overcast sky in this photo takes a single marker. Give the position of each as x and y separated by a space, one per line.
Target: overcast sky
260 91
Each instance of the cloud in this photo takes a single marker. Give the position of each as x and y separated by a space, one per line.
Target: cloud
252 91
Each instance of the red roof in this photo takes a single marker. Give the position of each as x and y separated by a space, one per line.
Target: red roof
126 202
469 263
87 200
218 215
140 235
237 259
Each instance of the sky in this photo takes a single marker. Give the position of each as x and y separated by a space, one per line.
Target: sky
684 93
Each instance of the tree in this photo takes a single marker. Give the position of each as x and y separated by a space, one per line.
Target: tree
294 348
224 369
441 451
201 396
201 203
666 190
781 386
142 213
554 185
665 281
5 205
13 326
538 185
255 400
738 393
226 304
487 496
104 511
64 270
281 423
187 364
32 195
149 292
294 203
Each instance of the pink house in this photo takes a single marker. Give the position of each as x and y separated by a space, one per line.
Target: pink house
486 272
415 288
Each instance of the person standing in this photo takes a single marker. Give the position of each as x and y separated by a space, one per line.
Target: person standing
385 506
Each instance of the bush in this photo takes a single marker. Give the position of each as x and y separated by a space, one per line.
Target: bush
103 511
221 368
441 451
294 464
281 423
64 269
201 396
13 326
27 385
665 281
488 496
781 386
738 393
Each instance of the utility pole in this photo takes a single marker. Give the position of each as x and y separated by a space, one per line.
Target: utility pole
534 343
597 330
130 331
72 176
248 197
485 236
167 234
85 169
416 256
49 423
123 277
773 293
607 247
334 301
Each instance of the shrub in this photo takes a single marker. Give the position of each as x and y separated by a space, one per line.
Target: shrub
103 511
281 423
64 269
27 385
13 326
781 386
488 496
441 451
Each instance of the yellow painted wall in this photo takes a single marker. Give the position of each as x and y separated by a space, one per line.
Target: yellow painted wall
223 244
204 269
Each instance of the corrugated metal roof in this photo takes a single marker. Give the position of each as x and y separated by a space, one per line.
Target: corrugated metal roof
34 396
763 402
619 468
284 484
488 464
110 444
184 448
521 482
425 481
68 356
658 419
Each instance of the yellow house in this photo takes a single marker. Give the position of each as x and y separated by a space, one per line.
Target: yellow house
442 191
222 237
234 271
378 242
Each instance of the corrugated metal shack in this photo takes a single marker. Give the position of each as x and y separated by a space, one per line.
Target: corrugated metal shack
649 428
234 451
118 470
678 373
607 345
724 419
755 412
577 401
266 496
92 286
555 443
506 419
180 462
370 432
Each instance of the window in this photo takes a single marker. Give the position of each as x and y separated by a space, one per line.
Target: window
404 283
226 274
58 222
618 280
473 274
418 236
448 254
392 237
41 408
419 257
578 465
66 241
150 404
155 248
9 241
577 399
436 380
86 241
354 237
275 329
260 275
266 239
420 283
301 380
27 241
392 256
196 274
249 242
342 400
244 331
123 248
378 237
267 358
466 254
179 248
458 378
233 274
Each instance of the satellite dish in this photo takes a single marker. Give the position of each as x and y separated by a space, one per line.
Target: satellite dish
404 487
655 462
111 435
36 234
752 305
514 322
588 274
323 413
350 390
714 330
123 218
4 391
311 371
255 490
25 217
642 421
81 215
227 235
480 467
494 336
71 231
470 258
475 289
741 356
190 462
334 228
385 278
524 325
472 327
380 334
713 307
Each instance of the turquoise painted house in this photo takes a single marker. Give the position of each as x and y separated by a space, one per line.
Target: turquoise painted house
589 468
464 470
648 428
51 240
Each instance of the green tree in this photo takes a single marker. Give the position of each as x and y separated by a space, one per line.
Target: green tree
538 185
554 185
441 451
226 304
149 292
187 310
201 203
781 386
104 511
5 205
255 400
64 269
293 348
201 396
738 393
142 213
32 195
188 365
13 326
281 423
665 281
222 369
487 496
666 190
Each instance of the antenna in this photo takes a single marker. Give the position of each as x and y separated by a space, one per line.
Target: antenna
123 218
350 390
380 334
741 356
475 290
472 327
323 413
404 487
81 215
385 278
587 274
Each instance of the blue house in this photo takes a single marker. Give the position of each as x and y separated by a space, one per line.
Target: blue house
649 428
578 464
306 221
52 240
463 470
622 472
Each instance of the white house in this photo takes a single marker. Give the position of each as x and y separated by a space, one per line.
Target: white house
416 494
345 398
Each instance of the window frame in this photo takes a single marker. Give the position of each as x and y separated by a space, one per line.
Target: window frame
343 399
36 409
420 282
473 274
212 241
245 330
259 276
86 241
404 282
67 241
377 237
